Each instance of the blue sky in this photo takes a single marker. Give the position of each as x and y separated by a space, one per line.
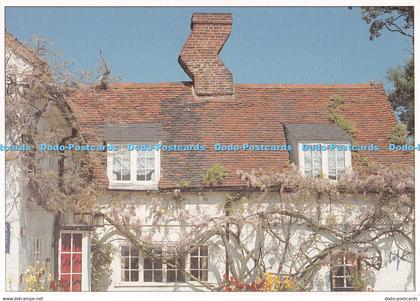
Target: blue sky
267 45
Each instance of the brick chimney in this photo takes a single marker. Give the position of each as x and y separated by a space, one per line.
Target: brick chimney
200 55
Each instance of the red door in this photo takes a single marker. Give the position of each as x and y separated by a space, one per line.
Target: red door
71 261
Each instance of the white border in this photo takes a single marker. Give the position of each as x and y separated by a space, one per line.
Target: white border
194 296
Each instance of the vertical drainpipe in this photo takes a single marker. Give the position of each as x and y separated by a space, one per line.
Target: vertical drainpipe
58 215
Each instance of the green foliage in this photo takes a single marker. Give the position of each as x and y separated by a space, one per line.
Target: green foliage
215 175
362 161
335 106
183 184
36 278
101 264
359 281
399 134
402 96
398 19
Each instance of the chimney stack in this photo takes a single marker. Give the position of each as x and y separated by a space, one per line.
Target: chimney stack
200 55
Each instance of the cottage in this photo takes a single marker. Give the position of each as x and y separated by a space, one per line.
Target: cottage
213 110
265 215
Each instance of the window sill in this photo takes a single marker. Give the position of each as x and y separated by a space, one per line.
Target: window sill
132 186
158 284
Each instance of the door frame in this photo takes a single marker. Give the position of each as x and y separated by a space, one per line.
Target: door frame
85 283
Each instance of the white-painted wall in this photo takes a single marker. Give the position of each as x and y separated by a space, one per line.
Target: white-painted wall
395 275
26 221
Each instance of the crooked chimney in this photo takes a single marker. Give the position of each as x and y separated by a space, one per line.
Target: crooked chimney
200 55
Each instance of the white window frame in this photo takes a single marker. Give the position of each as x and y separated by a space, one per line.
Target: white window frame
324 158
346 277
200 258
164 282
133 184
122 270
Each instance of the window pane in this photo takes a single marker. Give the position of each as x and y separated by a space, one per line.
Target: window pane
171 264
77 263
65 282
125 175
194 252
203 250
204 275
341 161
147 276
203 263
124 250
308 162
76 283
180 263
158 276
171 275
317 163
332 168
195 273
134 276
150 175
134 251
194 263
65 242
180 276
158 264
116 175
150 163
77 242
134 263
65 263
116 168
140 163
125 263
126 276
125 166
148 263
141 175
338 282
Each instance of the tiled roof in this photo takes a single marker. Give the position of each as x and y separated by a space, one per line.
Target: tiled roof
20 49
255 114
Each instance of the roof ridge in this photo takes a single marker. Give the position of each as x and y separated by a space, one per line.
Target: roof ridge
25 52
245 85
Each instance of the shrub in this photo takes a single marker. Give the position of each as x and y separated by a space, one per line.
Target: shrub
101 264
36 278
399 134
183 184
215 175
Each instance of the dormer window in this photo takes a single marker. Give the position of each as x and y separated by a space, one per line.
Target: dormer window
134 162
326 160
319 150
133 169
